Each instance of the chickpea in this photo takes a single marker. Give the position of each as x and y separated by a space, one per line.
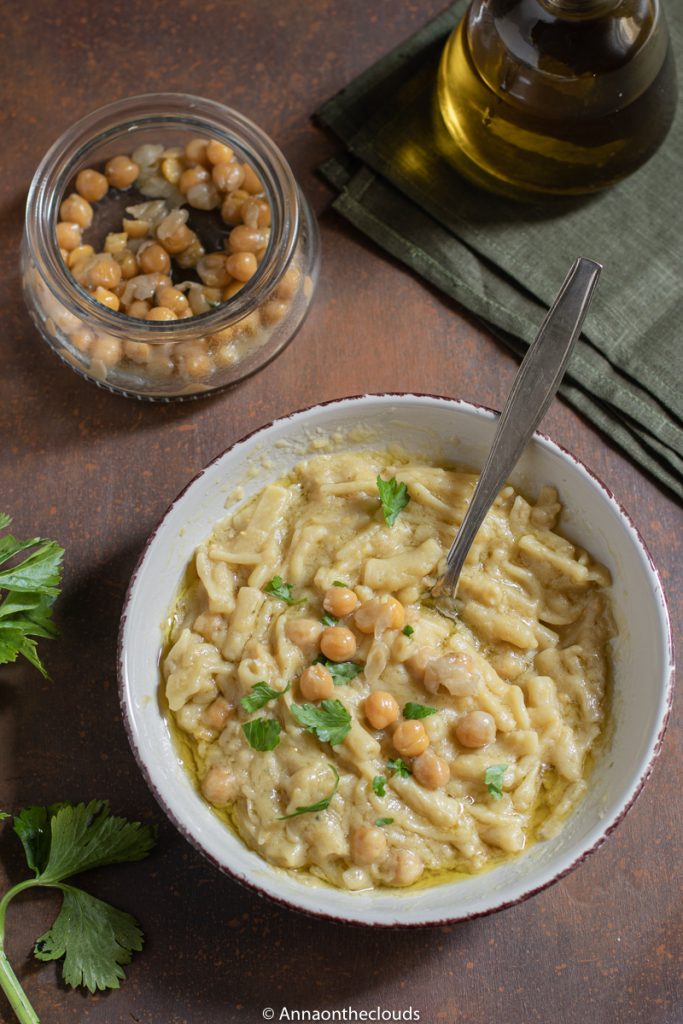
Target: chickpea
316 683
305 633
68 235
289 284
197 364
213 271
340 601
218 153
231 210
92 185
79 255
154 260
476 729
77 210
107 349
121 171
380 613
204 196
193 176
338 643
196 151
430 770
410 738
241 265
171 169
368 844
82 339
106 298
139 309
128 263
168 296
381 709
105 272
160 313
272 312
135 228
244 239
455 672
403 867
233 288
219 786
251 183
228 176
181 238
217 713
417 663
256 213
137 351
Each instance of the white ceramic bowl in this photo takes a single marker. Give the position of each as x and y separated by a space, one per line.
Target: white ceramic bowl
457 431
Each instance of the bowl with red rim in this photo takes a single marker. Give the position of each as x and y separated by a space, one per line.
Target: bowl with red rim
460 433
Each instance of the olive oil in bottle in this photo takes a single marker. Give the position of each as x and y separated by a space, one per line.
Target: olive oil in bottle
555 97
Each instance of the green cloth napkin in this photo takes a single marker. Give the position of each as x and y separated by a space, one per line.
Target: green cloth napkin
505 261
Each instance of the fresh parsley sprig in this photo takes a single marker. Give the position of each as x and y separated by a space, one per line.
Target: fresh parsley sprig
278 588
393 496
30 587
321 805
381 822
397 766
493 779
95 939
260 695
379 785
330 722
342 672
262 733
413 710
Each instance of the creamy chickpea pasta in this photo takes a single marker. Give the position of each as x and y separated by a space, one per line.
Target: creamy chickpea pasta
339 722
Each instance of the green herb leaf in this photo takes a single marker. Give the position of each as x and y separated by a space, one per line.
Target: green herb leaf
278 588
260 695
262 733
379 785
407 630
4 815
342 672
413 710
338 583
94 938
330 722
493 778
329 620
381 822
398 767
31 586
394 497
321 805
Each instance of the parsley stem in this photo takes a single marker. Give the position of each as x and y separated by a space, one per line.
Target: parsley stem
9 983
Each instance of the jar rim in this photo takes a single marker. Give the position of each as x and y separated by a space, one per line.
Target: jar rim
141 113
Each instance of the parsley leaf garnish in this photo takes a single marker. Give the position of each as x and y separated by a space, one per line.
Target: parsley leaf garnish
342 672
262 733
329 620
407 630
278 588
260 695
394 497
380 822
30 588
338 583
398 767
413 710
330 722
379 785
493 777
95 939
321 805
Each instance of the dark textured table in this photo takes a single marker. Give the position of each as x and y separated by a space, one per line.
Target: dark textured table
96 471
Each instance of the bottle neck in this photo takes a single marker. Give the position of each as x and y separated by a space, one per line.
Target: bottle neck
579 9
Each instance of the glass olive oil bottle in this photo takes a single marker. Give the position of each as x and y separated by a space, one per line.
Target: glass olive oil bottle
556 97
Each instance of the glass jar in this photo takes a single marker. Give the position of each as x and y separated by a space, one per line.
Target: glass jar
555 97
152 359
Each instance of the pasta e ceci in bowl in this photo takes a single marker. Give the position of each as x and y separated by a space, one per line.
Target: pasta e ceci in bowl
323 734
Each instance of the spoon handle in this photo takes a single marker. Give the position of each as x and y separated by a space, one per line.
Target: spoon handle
537 380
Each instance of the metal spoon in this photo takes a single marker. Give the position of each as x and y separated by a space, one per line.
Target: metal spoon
537 380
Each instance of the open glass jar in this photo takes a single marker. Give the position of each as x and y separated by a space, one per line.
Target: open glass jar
232 327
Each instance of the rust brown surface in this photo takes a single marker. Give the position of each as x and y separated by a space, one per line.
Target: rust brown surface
96 471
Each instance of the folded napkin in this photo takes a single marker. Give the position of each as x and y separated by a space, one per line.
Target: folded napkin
504 261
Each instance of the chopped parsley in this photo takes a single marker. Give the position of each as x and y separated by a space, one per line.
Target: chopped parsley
393 496
330 722
278 588
493 777
338 583
381 822
260 695
398 767
262 733
321 805
342 672
407 630
413 710
329 620
379 785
